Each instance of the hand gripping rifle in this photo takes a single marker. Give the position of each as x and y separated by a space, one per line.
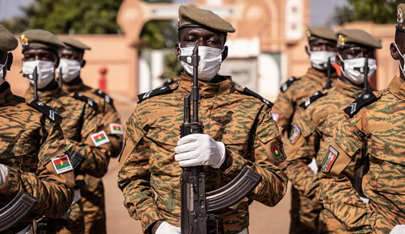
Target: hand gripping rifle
197 206
16 210
364 161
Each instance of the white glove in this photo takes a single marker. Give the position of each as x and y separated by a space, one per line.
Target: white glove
3 174
199 150
399 229
167 228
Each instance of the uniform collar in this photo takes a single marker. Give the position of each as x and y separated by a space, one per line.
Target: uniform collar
74 88
5 93
397 88
44 96
348 90
320 77
207 89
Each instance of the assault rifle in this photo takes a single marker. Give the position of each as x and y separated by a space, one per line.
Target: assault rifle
365 162
197 206
35 78
16 210
328 70
60 83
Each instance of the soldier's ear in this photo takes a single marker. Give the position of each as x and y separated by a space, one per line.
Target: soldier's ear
177 49
83 63
9 61
394 52
225 53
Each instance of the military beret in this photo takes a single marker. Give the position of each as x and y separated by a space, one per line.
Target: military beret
195 17
320 32
7 41
38 38
346 37
400 17
74 44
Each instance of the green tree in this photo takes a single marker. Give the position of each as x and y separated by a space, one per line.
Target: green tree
68 16
378 11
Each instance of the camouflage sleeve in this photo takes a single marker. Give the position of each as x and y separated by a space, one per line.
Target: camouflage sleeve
53 192
115 132
267 158
134 175
339 195
283 109
300 150
94 145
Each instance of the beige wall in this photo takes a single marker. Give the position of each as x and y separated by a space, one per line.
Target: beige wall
108 51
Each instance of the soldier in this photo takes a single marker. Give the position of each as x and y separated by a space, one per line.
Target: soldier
321 48
71 63
312 127
81 125
365 163
239 131
34 153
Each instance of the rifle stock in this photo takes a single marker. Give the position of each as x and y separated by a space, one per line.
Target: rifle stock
197 205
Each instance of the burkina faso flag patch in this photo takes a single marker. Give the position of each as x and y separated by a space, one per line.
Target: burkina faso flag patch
100 138
62 164
116 128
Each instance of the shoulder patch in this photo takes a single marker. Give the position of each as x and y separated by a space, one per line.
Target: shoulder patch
86 99
311 99
256 95
46 110
106 97
287 84
156 92
362 101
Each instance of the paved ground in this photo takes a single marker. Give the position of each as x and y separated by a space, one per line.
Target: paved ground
263 220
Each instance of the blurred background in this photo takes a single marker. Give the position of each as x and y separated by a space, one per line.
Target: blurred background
133 52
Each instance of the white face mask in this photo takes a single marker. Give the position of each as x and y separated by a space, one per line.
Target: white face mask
319 59
399 62
210 61
46 72
70 69
353 69
2 78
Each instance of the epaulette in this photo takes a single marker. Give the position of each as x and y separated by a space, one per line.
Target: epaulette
311 99
107 98
287 84
251 93
86 99
362 101
157 92
46 110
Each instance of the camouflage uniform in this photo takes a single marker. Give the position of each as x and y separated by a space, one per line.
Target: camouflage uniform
29 141
320 114
150 176
93 198
376 128
80 124
304 212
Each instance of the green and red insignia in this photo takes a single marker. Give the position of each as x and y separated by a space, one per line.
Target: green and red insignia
278 153
295 134
400 21
116 128
341 41
330 159
100 138
24 41
62 164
